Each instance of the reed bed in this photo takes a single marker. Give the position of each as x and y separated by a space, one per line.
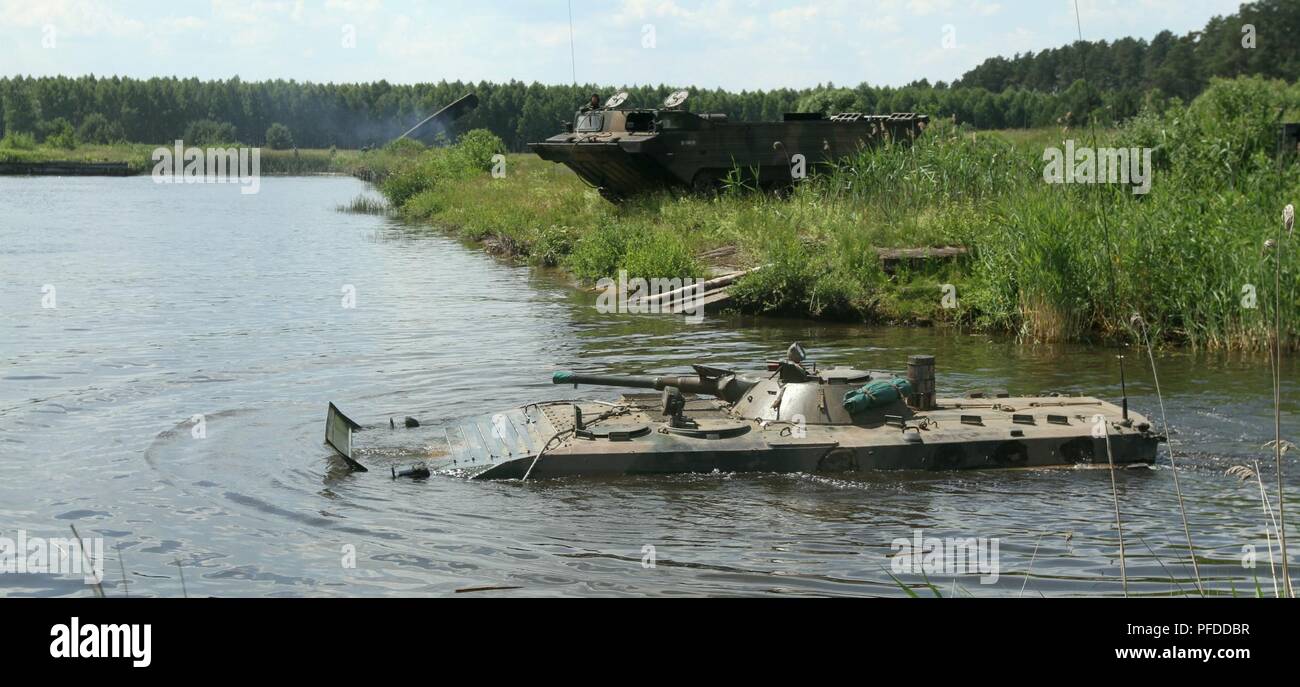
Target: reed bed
365 205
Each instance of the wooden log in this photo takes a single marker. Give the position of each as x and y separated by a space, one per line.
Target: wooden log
891 258
685 293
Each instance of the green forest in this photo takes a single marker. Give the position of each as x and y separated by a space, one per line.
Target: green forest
1103 82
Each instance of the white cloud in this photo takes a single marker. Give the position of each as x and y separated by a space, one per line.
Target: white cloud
887 23
797 18
543 35
70 17
928 7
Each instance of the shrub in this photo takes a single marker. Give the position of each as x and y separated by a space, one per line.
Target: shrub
405 147
59 134
205 132
406 182
17 140
96 129
278 137
599 254
658 254
476 149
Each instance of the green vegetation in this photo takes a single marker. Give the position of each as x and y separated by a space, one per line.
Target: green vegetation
206 132
1108 82
365 205
24 148
278 137
96 129
15 140
1047 262
59 134
299 162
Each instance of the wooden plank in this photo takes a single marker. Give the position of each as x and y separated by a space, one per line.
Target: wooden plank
915 258
947 252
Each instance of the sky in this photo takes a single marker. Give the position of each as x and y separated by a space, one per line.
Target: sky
732 44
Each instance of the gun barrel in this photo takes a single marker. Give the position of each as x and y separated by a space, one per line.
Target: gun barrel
635 382
691 384
438 121
729 388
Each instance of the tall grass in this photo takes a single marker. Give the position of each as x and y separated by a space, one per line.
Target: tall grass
365 205
1046 262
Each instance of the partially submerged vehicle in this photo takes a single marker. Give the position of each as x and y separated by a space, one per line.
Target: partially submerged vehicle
796 418
623 152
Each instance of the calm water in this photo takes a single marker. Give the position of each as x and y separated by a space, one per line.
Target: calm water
181 301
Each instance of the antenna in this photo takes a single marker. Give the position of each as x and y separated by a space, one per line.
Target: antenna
573 55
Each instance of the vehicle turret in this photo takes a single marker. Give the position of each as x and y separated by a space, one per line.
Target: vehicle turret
794 392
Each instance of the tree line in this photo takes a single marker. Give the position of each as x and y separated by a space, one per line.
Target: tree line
1106 82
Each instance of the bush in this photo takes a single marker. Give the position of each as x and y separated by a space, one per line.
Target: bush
599 254
476 149
659 254
96 129
205 132
17 140
553 244
1224 133
784 284
405 147
278 137
405 183
59 134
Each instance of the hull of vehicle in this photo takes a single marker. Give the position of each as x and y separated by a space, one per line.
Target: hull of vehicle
701 153
1025 432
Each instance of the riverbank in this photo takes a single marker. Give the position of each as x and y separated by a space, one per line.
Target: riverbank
1046 262
127 159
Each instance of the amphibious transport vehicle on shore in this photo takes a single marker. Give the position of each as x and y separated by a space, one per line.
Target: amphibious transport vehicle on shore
794 418
623 152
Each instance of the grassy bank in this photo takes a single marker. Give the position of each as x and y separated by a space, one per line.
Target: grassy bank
137 156
1048 262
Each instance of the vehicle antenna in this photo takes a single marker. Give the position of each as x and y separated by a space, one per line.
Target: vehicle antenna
573 55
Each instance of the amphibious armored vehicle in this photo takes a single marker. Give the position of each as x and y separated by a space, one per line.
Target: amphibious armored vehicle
795 418
623 152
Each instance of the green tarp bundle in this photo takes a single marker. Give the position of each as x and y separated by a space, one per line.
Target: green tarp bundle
876 394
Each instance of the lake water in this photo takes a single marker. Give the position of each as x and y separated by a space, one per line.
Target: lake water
172 403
